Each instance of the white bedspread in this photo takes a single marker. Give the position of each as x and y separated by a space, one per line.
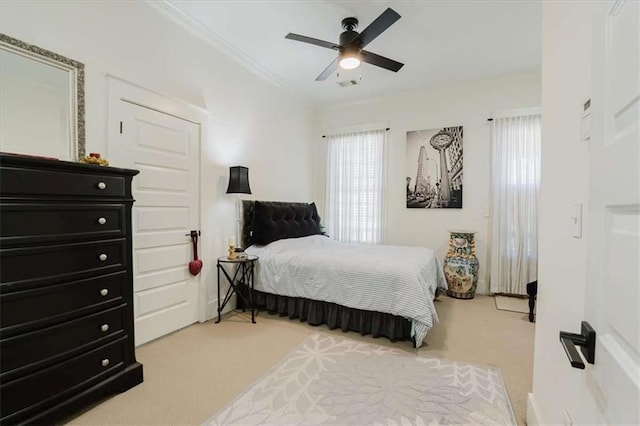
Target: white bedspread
398 280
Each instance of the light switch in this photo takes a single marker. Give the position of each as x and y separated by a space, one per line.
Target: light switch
576 220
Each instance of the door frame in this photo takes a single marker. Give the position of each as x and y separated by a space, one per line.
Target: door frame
119 90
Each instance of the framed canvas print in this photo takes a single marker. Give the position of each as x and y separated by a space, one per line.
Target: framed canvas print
434 168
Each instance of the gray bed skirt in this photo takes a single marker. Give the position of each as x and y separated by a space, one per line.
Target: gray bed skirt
335 316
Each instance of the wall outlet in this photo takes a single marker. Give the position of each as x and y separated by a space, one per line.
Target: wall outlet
566 418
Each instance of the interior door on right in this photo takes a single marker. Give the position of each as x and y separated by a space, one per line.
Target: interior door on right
613 287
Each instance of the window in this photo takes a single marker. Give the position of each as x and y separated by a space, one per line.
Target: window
355 169
515 184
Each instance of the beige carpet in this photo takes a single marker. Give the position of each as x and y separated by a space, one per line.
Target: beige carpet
513 304
193 373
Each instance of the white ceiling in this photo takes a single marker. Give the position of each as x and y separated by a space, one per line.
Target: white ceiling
438 41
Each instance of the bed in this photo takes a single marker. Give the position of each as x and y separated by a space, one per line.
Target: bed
372 289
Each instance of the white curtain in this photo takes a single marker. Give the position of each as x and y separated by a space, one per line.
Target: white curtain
515 176
355 170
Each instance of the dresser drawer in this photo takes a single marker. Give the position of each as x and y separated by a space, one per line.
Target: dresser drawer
60 341
25 310
33 265
29 223
61 380
17 181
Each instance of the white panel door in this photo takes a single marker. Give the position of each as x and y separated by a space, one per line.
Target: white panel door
165 149
613 287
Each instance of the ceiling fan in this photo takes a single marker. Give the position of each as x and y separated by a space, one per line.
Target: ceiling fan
351 53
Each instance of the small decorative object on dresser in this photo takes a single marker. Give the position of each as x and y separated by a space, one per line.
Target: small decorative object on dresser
94 158
66 288
461 265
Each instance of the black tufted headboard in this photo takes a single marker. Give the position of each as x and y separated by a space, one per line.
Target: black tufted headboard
267 221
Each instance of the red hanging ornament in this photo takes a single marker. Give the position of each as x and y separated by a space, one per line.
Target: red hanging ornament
195 266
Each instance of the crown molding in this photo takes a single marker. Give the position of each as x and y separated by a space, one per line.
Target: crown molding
206 34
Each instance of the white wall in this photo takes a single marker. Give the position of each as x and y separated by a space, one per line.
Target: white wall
252 122
468 104
566 84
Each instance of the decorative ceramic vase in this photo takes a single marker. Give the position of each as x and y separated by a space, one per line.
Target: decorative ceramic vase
461 265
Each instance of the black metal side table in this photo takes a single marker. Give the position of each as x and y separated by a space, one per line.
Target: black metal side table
243 275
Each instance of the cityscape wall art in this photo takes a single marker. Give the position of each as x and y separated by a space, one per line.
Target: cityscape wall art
434 168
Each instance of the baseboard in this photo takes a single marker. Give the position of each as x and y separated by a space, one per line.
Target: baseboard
533 416
212 307
482 288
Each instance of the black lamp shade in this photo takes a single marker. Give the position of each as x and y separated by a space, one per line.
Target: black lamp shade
238 180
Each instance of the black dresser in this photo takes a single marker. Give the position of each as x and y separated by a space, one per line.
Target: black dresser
66 287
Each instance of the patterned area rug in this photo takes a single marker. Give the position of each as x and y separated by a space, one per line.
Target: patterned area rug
337 381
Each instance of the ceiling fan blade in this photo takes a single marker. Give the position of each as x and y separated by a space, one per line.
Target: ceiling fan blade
377 27
311 40
381 61
328 70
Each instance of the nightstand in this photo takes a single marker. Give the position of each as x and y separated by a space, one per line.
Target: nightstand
242 276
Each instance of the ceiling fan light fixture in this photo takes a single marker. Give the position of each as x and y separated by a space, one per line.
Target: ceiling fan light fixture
349 62
352 43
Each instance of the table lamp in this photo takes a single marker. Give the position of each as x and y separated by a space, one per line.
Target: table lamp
238 184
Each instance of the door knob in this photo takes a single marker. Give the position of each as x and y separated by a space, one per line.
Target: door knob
587 342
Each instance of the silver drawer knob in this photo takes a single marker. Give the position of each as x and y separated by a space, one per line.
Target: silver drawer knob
102 257
102 185
104 327
105 362
104 292
102 221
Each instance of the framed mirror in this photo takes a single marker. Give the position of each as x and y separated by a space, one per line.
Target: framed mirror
41 102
